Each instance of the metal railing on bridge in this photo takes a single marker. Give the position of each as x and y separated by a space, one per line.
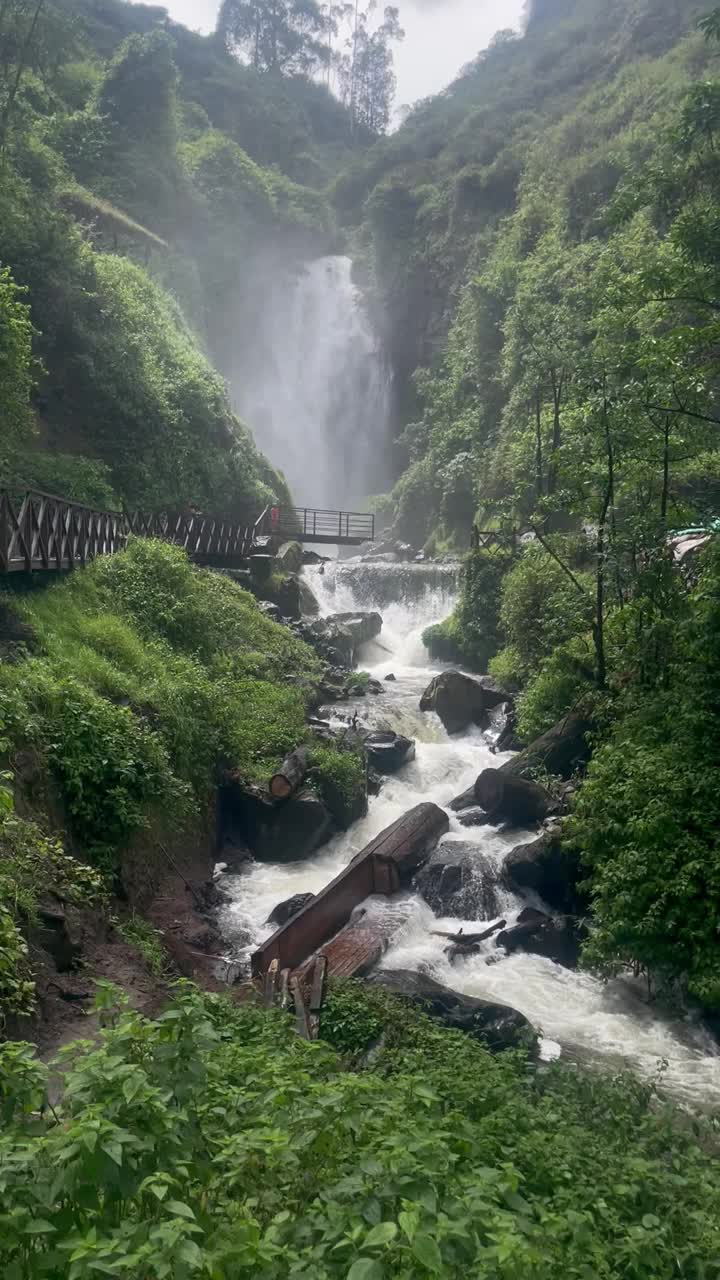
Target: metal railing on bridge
307 524
40 531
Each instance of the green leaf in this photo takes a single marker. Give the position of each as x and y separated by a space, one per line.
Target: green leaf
427 1252
38 1227
365 1269
180 1210
383 1233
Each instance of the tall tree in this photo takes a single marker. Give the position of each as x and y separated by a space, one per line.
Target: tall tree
277 35
366 74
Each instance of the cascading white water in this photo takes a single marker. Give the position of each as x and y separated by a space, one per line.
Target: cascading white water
576 1013
312 382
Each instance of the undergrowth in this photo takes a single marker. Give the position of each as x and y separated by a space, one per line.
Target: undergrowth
149 676
213 1142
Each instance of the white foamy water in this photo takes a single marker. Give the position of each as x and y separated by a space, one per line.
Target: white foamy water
577 1015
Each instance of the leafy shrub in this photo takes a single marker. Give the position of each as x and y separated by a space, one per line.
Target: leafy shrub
212 1141
564 681
340 778
15 369
471 634
646 819
540 610
148 942
151 675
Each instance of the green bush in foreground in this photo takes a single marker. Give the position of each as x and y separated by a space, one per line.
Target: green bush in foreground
212 1142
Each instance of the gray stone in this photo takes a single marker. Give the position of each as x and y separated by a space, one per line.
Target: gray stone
495 1025
461 700
459 881
285 911
388 752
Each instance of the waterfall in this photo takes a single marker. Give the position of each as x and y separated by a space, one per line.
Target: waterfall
312 384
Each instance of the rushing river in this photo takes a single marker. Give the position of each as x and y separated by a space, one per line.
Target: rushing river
577 1015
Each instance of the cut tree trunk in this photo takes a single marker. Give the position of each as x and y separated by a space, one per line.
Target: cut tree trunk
290 774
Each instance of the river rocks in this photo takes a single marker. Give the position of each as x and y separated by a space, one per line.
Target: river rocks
461 700
309 604
494 1025
391 679
338 637
388 752
545 867
290 557
561 750
556 938
510 799
270 609
286 831
285 911
459 881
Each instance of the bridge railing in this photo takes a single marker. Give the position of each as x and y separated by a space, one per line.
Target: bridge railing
314 525
40 531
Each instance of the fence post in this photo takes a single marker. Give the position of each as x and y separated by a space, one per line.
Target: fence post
4 533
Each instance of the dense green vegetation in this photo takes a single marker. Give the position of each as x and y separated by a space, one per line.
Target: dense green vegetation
148 677
213 1142
143 172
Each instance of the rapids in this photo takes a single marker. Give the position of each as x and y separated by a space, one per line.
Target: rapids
578 1016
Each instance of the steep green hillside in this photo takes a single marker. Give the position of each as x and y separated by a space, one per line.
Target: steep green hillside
144 174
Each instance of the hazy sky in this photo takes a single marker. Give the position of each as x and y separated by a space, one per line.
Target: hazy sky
441 36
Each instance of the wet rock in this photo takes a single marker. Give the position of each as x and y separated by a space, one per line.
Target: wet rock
459 881
548 869
474 817
270 609
290 557
339 637
494 1025
52 933
388 752
556 938
309 604
285 911
461 700
275 832
391 679
510 799
561 750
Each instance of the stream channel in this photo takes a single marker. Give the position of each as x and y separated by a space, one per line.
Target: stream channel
577 1015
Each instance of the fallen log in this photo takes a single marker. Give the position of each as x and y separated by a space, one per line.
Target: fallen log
290 774
384 866
470 939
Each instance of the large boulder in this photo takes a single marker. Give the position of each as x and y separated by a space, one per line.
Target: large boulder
556 938
339 637
388 752
494 1025
461 700
459 881
309 604
544 866
510 799
561 750
285 911
290 557
285 831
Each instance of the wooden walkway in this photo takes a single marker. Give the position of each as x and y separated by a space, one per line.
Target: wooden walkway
39 531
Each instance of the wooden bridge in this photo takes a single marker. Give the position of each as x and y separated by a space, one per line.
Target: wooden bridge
39 531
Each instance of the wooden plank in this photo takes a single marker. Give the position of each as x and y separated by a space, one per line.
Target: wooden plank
269 984
284 992
382 867
301 1019
317 993
355 950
